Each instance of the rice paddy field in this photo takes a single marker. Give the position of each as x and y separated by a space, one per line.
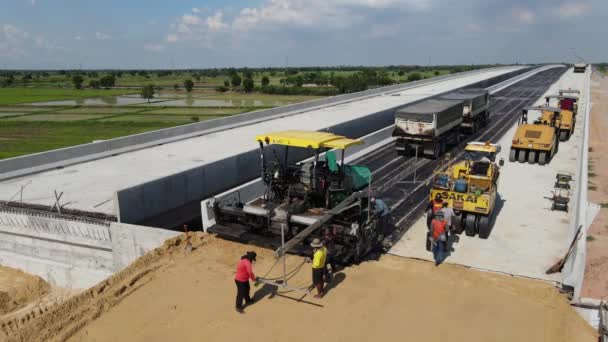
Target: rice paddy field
36 120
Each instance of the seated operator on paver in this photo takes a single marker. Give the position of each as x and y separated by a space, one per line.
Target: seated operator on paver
244 272
438 237
382 212
319 257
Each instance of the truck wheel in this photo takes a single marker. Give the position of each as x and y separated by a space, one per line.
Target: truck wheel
436 150
542 158
429 218
457 223
469 225
484 227
443 148
522 156
512 155
531 157
563 135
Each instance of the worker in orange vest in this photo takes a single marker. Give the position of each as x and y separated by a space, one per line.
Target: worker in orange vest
437 203
435 206
438 237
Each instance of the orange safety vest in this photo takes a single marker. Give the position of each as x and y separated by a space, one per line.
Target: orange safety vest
437 205
438 228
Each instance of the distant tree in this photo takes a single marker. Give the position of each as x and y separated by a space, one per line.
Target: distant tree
107 81
247 73
62 72
436 73
147 92
415 76
93 74
299 81
236 80
118 74
176 87
197 77
226 83
94 84
188 84
194 119
265 81
221 89
133 72
45 74
401 73
77 80
248 85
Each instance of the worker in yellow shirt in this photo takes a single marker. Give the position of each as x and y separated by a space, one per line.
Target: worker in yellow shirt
319 257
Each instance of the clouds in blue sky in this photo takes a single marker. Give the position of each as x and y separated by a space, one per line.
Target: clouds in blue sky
159 34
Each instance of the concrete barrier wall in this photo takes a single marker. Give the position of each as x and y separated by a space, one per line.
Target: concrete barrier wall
72 254
583 213
19 166
141 202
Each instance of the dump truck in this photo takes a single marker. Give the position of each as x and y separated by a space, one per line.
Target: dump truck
475 111
566 119
469 187
580 67
534 142
427 127
301 199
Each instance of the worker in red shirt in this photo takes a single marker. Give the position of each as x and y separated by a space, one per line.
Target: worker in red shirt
244 272
435 205
438 237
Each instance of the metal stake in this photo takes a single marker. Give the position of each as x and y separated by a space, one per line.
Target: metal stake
284 261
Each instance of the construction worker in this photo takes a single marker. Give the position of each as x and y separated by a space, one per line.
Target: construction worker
435 206
382 212
244 273
437 203
319 257
448 215
438 237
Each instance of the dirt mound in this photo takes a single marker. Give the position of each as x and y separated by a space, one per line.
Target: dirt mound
61 321
18 288
173 295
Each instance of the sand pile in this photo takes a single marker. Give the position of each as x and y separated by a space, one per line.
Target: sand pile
17 289
172 295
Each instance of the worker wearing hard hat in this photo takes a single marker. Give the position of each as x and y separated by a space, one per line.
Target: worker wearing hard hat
319 257
244 272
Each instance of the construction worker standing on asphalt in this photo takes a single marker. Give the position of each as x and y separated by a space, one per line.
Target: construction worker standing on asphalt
244 272
319 257
382 212
438 237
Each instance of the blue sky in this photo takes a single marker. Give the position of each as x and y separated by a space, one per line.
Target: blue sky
200 34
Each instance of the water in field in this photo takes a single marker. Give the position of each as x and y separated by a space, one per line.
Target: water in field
100 101
221 103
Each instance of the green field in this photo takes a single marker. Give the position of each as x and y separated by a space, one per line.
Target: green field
100 110
197 111
11 96
160 118
56 117
20 138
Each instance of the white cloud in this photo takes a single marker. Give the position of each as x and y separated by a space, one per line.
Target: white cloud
102 36
382 31
13 42
571 9
78 38
523 15
154 47
282 15
32 2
